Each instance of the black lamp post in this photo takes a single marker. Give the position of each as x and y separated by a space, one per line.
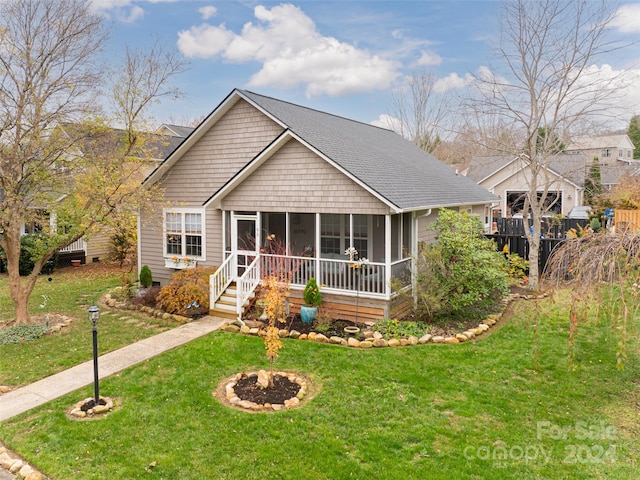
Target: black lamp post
94 316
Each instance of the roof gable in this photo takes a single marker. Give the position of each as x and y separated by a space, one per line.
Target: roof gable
381 161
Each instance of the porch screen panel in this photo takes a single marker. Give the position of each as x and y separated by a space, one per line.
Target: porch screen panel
331 235
407 230
361 235
302 234
396 233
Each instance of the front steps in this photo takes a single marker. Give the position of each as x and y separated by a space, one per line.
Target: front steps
225 306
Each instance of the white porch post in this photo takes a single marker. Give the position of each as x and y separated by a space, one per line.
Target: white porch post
317 247
387 256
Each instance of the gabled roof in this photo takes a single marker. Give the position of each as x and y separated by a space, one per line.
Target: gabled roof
615 140
380 160
572 167
175 130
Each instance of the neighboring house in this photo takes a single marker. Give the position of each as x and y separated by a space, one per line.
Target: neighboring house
610 149
158 147
258 166
175 130
508 178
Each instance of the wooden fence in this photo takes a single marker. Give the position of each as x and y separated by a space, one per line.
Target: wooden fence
627 220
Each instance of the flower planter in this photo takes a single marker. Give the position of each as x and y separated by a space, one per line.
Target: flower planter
75 263
308 314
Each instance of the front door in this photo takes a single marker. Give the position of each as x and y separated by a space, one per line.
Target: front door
244 229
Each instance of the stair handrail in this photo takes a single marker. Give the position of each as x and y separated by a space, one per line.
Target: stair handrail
247 284
220 280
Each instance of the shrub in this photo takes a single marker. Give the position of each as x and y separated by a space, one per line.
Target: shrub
146 279
312 295
462 272
392 328
517 267
147 297
187 286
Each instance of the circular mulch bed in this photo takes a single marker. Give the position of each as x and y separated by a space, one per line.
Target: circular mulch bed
243 391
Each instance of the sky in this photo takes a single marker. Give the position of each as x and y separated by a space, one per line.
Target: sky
339 56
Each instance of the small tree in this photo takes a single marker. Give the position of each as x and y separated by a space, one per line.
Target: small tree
277 286
634 134
593 183
146 279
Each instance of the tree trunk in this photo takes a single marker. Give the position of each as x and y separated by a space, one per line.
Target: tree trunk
534 253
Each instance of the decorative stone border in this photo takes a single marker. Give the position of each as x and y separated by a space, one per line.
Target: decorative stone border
98 411
376 340
14 464
227 395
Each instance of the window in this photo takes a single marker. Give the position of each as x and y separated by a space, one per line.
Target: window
330 234
361 235
606 153
183 233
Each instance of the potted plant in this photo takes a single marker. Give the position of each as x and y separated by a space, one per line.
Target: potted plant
312 300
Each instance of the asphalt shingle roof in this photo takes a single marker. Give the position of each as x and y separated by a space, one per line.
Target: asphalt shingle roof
395 168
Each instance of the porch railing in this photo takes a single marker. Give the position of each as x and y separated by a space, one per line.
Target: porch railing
247 283
220 280
333 274
78 246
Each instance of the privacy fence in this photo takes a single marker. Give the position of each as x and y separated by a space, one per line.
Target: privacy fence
511 231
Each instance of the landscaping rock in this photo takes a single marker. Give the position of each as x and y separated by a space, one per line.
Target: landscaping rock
304 336
244 329
232 329
16 466
366 344
335 340
404 342
483 327
451 340
25 470
312 336
469 334
413 340
4 389
461 337
394 342
6 460
380 342
320 338
425 339
376 335
294 334
238 322
263 379
34 476
353 342
254 331
437 339
368 334
291 403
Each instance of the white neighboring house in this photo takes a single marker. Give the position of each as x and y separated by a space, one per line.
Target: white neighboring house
612 149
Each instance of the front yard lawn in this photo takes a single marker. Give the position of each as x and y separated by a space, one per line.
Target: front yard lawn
506 406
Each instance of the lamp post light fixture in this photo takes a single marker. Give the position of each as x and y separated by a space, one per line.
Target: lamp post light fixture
94 316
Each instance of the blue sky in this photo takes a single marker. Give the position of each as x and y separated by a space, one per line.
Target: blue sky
343 57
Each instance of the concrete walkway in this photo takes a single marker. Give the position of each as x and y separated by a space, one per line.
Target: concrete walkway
23 399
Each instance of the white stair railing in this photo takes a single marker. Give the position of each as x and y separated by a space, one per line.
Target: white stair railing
247 284
220 280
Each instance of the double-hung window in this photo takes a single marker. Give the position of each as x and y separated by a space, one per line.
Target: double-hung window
184 233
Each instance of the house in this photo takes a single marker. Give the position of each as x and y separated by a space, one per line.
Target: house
258 167
508 177
610 149
179 131
156 148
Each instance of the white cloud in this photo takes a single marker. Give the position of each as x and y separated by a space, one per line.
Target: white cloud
452 82
207 12
389 122
429 57
292 52
123 10
627 18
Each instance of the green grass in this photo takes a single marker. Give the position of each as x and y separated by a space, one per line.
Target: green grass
71 292
479 410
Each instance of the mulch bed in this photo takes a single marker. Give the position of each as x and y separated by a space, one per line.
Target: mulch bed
283 389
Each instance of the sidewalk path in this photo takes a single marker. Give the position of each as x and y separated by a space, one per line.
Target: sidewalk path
23 399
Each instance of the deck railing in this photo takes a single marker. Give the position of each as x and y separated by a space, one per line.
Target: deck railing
220 280
78 246
247 283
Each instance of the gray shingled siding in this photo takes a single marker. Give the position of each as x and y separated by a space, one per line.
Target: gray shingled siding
295 179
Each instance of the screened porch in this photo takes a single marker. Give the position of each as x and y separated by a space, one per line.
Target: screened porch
313 245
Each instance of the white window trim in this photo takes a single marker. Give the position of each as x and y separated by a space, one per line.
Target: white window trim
169 261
